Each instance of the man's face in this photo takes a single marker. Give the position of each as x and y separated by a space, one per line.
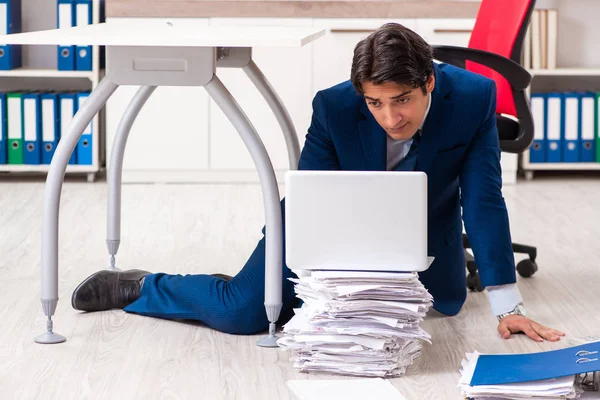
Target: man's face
398 109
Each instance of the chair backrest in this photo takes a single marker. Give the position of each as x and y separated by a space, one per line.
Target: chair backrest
500 28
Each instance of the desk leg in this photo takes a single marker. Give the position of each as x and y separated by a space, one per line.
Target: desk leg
115 171
285 122
54 181
270 190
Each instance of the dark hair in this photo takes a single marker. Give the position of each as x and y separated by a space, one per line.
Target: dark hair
393 53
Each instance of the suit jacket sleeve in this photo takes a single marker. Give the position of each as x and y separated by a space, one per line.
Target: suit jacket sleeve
319 152
484 210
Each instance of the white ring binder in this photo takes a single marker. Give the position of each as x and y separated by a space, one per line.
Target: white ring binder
585 353
585 359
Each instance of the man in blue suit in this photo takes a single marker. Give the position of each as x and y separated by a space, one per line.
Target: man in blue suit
399 111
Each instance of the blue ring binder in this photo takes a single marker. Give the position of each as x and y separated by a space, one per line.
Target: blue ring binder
514 368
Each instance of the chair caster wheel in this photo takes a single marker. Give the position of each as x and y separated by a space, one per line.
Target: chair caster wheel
526 268
474 283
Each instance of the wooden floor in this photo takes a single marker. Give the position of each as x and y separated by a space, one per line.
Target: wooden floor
213 228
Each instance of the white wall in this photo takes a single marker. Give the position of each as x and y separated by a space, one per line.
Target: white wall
578 31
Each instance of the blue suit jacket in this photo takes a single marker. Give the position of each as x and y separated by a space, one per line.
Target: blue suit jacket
460 154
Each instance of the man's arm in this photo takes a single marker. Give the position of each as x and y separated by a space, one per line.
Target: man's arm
487 226
319 152
484 211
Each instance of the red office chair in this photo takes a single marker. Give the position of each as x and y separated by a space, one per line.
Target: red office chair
495 51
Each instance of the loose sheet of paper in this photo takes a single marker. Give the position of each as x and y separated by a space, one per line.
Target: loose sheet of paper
348 389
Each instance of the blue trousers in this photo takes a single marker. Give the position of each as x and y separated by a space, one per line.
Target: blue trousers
235 307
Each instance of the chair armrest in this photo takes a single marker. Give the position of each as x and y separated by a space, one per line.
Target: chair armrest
514 73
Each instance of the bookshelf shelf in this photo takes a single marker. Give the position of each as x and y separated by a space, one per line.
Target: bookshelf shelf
89 170
566 72
591 166
46 73
44 168
529 168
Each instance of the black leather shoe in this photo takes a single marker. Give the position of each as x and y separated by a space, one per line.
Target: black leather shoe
222 276
108 289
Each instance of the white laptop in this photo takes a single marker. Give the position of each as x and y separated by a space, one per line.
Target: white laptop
356 220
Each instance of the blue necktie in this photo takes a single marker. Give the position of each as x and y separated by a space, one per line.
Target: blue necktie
409 162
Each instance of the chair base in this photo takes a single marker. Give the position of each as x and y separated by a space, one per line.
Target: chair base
526 268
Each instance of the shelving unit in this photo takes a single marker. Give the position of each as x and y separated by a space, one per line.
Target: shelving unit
52 78
46 73
565 72
528 167
44 168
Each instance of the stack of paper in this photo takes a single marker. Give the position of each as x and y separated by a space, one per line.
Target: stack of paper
357 323
552 388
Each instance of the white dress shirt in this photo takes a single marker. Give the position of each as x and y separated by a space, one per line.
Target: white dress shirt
502 298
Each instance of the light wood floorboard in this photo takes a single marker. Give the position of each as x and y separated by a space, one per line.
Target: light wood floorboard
214 228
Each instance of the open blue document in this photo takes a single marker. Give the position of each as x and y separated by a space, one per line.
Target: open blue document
513 368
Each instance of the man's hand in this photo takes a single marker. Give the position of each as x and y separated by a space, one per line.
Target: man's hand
518 323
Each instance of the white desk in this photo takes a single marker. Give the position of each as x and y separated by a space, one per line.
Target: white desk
173 54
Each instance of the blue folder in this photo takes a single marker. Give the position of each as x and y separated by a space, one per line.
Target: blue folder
85 145
554 127
50 126
68 109
83 16
10 54
102 49
587 117
32 128
514 368
537 153
65 18
3 130
572 127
